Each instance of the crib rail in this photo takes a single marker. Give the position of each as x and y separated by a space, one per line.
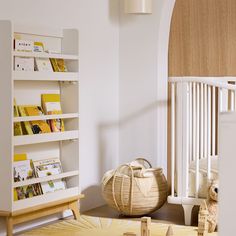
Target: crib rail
195 105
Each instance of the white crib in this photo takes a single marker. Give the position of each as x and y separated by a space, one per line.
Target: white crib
195 106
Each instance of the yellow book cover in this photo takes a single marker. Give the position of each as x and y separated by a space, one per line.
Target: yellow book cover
39 126
26 124
20 157
58 65
51 104
54 65
38 47
17 125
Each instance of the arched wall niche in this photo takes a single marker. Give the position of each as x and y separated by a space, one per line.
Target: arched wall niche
203 38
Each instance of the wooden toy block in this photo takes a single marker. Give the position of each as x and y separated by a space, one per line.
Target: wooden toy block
145 226
170 231
129 234
203 220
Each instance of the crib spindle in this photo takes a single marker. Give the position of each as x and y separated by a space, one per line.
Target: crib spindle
186 140
220 100
205 121
201 123
190 122
197 141
209 133
194 122
172 139
213 121
232 101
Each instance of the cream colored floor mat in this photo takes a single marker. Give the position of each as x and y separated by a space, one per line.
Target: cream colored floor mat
89 226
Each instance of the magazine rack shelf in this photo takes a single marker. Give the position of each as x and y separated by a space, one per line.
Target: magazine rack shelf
46 117
45 76
45 138
45 55
26 87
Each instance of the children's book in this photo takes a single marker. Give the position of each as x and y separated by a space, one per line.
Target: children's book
22 170
38 47
43 64
51 104
46 168
58 65
39 126
26 125
17 125
20 157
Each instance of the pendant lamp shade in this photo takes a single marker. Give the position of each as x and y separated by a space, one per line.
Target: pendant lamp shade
138 6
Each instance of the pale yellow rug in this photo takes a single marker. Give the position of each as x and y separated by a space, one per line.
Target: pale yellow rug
89 226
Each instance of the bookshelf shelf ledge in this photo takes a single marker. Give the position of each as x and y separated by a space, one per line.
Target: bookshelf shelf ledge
48 198
43 138
46 179
46 117
45 76
45 55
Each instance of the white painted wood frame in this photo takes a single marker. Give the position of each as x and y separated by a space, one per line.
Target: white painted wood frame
194 137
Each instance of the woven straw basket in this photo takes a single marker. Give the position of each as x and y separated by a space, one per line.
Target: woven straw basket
132 195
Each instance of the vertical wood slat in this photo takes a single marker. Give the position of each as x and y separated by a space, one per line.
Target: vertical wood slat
220 100
185 137
201 122
197 141
209 133
232 100
190 123
194 121
172 139
213 121
179 132
205 121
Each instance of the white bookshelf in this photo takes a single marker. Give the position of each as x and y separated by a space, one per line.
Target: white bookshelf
26 88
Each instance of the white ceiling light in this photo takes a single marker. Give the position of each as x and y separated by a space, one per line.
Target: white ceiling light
138 6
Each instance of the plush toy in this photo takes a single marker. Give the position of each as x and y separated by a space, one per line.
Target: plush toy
212 205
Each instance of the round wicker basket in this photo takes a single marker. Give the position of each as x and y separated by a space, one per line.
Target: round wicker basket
135 196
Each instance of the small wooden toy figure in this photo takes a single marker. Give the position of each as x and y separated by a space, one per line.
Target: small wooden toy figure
203 220
129 234
145 226
170 231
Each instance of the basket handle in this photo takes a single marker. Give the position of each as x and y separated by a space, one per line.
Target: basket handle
144 160
131 191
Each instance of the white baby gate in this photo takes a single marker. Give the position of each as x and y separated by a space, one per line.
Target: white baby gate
195 105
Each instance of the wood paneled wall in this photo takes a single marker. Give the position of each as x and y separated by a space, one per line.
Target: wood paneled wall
203 38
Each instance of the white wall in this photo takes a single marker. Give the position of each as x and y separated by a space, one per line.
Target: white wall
97 22
143 84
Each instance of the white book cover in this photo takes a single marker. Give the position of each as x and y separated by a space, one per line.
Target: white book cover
22 170
43 64
49 167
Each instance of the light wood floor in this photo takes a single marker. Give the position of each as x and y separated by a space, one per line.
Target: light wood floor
171 214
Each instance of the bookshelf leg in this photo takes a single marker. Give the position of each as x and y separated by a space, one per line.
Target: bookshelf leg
75 209
9 226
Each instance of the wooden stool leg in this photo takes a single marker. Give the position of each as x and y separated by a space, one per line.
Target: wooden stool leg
9 225
75 209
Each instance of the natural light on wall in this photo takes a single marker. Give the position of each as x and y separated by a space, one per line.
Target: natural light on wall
138 6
